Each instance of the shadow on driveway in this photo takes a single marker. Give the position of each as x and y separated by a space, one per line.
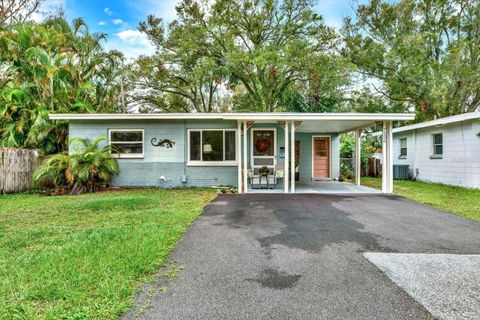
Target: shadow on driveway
276 256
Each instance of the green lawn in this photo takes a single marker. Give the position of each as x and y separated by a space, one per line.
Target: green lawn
84 257
461 201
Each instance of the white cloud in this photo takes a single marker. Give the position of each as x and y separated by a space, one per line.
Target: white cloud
132 43
134 37
36 17
108 11
117 21
102 23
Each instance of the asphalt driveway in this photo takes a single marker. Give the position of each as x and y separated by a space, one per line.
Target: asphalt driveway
274 256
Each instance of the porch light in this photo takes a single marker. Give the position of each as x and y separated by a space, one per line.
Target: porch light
207 148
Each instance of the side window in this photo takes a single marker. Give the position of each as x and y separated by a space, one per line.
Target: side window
403 147
437 140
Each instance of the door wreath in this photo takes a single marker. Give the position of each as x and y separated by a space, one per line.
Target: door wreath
262 145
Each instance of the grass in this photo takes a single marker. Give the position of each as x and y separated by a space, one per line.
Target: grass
84 257
460 201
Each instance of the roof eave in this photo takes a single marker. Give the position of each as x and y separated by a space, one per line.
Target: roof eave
239 116
439 122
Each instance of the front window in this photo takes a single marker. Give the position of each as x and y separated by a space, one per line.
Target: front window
212 146
403 147
438 144
126 143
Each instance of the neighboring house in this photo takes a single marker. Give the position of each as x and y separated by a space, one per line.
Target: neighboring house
445 150
193 149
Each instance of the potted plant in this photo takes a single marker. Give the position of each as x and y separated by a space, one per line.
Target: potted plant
263 171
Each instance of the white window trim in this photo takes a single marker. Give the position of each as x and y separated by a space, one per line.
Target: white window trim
127 155
201 163
437 144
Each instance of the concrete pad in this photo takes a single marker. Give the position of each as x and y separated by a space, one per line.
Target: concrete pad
447 285
321 187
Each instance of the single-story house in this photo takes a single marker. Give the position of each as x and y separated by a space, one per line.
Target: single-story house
245 150
445 150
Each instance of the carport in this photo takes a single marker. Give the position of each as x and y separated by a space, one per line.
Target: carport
294 124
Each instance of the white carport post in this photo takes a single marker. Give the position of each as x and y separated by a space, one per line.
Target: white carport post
287 157
358 156
387 165
245 168
239 156
292 158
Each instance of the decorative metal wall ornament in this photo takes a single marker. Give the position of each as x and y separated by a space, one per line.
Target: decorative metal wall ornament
162 143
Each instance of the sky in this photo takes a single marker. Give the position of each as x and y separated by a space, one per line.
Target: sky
119 18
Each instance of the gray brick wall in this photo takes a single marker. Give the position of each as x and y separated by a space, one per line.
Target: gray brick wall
212 176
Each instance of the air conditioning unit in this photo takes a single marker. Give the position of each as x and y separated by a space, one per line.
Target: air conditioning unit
401 172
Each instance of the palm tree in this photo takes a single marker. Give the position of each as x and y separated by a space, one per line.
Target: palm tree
52 67
89 167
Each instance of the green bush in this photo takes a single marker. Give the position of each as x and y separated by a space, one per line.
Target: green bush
346 172
370 145
89 168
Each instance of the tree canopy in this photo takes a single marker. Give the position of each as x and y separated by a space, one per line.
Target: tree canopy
262 55
52 67
17 11
425 54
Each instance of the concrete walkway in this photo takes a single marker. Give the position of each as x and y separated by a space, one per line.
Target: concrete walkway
322 187
269 256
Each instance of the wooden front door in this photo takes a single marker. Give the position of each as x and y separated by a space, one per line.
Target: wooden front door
321 158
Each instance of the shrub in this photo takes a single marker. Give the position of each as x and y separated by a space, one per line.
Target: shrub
346 171
87 169
370 145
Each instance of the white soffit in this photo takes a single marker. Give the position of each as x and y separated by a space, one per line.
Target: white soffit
333 125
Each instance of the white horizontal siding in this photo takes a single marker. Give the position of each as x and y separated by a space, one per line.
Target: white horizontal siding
410 151
460 164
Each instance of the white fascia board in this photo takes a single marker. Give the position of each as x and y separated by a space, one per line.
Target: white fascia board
238 116
319 116
136 116
439 122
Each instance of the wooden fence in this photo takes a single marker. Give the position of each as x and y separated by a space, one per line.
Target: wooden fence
16 169
374 168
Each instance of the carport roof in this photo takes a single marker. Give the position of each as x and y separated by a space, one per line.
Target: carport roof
311 122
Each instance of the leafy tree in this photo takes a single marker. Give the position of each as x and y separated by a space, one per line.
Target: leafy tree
367 101
425 53
52 67
17 11
255 54
87 169
181 77
370 145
